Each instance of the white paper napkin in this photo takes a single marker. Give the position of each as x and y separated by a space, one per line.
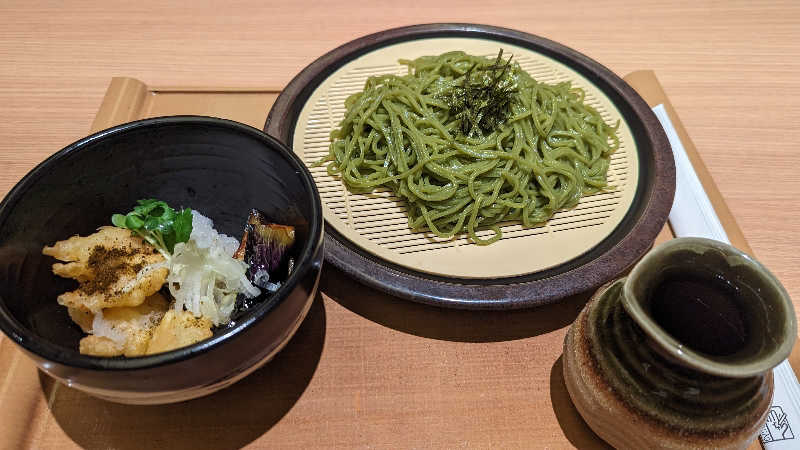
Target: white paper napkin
693 215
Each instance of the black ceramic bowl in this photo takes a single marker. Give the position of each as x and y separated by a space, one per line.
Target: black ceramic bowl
218 167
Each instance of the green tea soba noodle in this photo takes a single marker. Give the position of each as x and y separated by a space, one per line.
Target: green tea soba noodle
470 143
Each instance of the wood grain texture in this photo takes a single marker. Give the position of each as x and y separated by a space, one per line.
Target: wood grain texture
412 376
729 67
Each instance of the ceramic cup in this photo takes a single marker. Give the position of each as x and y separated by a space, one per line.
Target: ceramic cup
678 354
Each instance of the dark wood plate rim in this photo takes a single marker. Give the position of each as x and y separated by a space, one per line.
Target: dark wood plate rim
609 259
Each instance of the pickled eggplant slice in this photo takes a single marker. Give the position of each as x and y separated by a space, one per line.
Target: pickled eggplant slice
265 248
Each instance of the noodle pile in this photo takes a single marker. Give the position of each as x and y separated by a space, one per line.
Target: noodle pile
407 133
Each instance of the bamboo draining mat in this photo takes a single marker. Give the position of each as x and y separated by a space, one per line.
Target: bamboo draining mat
377 221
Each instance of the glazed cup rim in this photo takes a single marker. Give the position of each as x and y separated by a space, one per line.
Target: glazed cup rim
696 360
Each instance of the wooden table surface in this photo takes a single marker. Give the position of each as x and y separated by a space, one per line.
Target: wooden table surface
730 69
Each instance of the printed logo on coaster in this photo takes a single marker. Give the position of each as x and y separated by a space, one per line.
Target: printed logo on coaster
777 426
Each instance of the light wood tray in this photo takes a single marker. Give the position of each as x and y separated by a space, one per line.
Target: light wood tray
364 370
128 99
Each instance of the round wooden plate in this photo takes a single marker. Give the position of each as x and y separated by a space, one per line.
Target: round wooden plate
609 238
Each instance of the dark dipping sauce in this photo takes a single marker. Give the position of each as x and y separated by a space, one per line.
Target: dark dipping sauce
703 312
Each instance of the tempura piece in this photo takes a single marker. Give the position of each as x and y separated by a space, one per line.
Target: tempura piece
77 250
265 249
114 266
99 346
83 317
178 330
125 330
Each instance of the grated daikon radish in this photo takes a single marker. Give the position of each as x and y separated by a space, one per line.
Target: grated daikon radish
204 278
